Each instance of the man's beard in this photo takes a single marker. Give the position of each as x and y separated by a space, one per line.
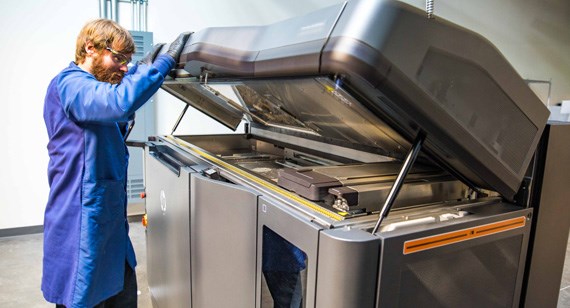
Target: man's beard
105 74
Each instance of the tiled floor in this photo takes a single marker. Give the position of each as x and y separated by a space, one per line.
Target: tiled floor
20 271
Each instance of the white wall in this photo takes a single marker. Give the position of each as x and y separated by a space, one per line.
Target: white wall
38 40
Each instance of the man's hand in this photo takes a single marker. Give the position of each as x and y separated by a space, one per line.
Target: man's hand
151 55
177 46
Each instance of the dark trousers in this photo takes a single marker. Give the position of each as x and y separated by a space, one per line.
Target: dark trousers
285 288
127 298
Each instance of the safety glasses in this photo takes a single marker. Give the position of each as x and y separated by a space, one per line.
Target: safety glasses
118 57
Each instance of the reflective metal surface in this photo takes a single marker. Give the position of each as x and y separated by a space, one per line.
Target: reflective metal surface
330 96
375 74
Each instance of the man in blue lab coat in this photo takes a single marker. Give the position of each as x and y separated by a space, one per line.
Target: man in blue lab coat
88 257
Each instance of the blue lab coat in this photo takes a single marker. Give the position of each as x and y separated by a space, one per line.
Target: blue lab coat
86 239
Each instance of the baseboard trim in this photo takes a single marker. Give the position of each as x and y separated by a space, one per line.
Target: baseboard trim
40 229
135 218
21 231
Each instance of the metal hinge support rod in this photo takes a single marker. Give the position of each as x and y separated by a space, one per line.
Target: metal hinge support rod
179 119
406 167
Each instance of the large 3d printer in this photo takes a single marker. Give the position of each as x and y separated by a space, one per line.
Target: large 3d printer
403 155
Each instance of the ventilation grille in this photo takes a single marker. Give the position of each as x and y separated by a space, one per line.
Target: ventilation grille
135 186
143 44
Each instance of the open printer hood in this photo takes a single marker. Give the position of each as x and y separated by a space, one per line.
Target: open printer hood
372 75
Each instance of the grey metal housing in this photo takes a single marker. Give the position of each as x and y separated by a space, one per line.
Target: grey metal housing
343 95
416 74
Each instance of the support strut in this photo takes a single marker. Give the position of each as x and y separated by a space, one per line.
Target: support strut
406 167
179 119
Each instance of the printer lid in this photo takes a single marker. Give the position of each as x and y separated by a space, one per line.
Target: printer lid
372 75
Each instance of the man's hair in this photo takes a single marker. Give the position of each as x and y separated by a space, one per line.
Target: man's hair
103 33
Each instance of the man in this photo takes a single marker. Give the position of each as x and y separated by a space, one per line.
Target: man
88 257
